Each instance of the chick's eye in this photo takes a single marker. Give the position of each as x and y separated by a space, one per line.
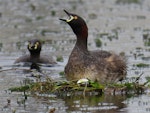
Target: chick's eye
37 43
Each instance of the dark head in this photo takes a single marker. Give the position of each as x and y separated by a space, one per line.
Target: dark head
34 46
77 24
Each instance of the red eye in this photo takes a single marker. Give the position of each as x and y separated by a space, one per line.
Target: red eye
75 17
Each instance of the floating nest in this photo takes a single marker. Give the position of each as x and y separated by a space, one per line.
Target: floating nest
81 87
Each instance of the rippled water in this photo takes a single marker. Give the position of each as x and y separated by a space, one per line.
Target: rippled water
122 27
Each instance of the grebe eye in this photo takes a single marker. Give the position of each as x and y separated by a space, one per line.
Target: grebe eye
75 17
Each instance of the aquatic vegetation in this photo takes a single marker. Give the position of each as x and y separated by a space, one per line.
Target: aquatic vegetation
39 17
59 59
140 65
141 17
49 86
148 81
146 58
1 45
122 53
147 42
128 88
98 42
109 36
146 37
28 20
128 1
53 13
43 32
62 73
18 45
92 16
74 7
33 7
82 87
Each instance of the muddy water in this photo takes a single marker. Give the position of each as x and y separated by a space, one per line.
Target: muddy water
120 26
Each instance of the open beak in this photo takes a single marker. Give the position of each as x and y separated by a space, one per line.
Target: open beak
70 17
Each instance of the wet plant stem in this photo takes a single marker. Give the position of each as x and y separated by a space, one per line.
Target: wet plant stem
137 79
85 89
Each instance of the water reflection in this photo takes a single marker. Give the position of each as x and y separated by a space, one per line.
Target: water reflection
72 104
95 104
35 66
138 104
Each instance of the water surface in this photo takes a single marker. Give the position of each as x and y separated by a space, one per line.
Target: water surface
122 27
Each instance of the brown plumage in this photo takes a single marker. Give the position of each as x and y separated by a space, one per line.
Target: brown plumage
101 66
34 47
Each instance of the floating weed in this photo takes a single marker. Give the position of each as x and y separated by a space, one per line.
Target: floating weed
59 59
33 7
128 1
16 26
96 85
74 7
148 81
147 42
42 87
141 65
145 36
28 20
98 42
109 36
14 111
62 73
53 13
141 17
49 86
122 54
147 78
20 88
18 45
146 58
92 16
129 86
39 17
103 34
44 31
64 88
1 45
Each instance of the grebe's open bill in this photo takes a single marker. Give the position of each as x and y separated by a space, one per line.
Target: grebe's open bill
67 14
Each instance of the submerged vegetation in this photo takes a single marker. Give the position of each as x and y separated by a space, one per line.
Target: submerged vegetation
60 59
147 42
142 65
128 1
98 42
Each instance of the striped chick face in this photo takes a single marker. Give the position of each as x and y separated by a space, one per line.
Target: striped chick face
34 45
